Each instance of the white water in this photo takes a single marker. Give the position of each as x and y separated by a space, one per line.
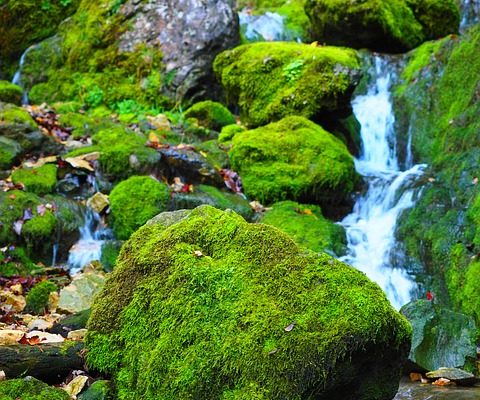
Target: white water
371 226
470 12
17 78
269 26
89 247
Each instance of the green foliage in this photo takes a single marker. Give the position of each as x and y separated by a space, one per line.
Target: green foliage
14 261
40 180
228 132
262 79
293 159
94 97
389 26
307 226
134 201
37 298
10 93
172 323
30 389
210 114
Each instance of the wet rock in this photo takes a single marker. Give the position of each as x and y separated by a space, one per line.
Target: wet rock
190 34
71 323
456 375
78 296
99 390
191 166
441 338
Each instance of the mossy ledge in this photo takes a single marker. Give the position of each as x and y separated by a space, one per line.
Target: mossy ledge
213 307
272 80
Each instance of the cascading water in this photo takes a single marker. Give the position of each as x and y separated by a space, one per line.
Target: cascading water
93 235
470 13
371 226
17 78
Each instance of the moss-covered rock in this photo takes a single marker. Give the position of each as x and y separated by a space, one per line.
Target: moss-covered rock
99 390
307 226
37 298
9 151
293 159
30 389
272 80
213 307
25 22
389 26
212 196
228 132
211 115
15 261
441 338
41 180
134 201
10 93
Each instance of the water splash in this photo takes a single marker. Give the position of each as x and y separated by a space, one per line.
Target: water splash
17 78
268 27
371 226
93 235
470 13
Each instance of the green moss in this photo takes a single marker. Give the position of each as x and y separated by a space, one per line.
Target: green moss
272 80
98 390
215 153
172 323
9 150
293 159
37 297
307 226
40 180
110 251
10 93
11 114
393 26
134 201
14 261
25 22
40 227
228 132
30 389
210 114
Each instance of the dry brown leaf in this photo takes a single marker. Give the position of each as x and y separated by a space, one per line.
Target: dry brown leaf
75 386
79 162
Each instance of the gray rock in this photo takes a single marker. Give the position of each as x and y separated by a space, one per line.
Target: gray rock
190 34
456 375
441 337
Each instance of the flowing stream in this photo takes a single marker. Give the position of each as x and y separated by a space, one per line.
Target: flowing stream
17 78
371 226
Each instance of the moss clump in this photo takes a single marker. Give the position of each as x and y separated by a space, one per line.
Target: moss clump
389 26
37 298
9 150
213 307
134 201
30 389
272 80
211 115
228 132
15 261
293 159
10 93
40 180
307 226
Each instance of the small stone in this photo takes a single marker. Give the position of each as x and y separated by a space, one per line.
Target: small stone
40 324
78 296
10 336
98 202
160 122
75 386
17 302
79 334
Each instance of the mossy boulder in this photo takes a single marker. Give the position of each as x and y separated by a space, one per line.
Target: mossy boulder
38 297
228 132
41 180
213 307
10 93
9 151
24 23
388 26
30 389
441 337
270 81
134 201
204 194
307 226
293 159
98 390
211 115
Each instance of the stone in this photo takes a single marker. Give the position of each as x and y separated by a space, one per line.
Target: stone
98 390
78 295
30 388
214 307
441 337
456 375
79 334
98 202
10 337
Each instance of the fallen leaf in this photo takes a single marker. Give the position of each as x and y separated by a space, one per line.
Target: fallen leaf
415 377
17 226
41 209
10 337
79 162
78 334
475 181
40 162
443 382
2 376
198 253
290 327
75 386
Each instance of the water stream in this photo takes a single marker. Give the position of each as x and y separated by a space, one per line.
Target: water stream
371 225
470 13
93 235
17 78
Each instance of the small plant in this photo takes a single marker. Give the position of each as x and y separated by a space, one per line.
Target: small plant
65 3
94 97
293 70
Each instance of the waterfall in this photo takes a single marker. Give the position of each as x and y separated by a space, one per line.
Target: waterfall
470 13
17 78
93 234
269 26
371 226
